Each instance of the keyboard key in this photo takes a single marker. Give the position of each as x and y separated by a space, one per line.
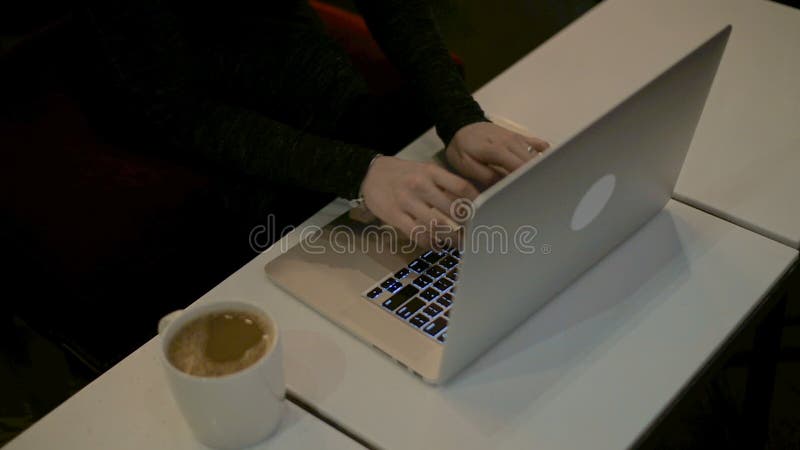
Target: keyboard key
447 313
388 282
393 302
374 293
442 337
453 274
445 300
410 308
436 326
456 252
418 265
419 320
448 262
435 271
397 285
432 309
443 284
429 294
423 281
432 256
402 273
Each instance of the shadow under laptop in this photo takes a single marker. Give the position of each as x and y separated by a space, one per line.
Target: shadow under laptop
536 360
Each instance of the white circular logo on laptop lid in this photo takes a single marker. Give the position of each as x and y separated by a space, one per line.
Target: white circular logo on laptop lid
593 202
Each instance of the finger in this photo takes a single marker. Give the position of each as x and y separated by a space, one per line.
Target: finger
487 174
470 167
444 235
501 156
539 144
453 183
429 217
450 197
442 241
409 227
438 226
501 172
457 237
438 199
422 216
521 148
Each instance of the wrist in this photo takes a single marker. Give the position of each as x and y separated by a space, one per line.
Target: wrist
457 119
455 127
359 200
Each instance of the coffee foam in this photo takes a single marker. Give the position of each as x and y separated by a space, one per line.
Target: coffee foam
188 349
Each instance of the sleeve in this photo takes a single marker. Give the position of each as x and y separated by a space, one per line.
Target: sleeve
153 72
407 32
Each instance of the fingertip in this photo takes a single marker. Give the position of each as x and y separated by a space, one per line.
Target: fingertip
472 191
424 243
537 143
487 180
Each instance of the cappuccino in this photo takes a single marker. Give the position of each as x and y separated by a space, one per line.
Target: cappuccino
220 343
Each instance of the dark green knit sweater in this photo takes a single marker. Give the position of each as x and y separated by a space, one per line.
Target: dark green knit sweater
157 51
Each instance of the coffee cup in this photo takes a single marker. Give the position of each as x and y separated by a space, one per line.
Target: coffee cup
228 403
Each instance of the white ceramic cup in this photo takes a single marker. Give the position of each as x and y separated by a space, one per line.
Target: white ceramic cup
235 410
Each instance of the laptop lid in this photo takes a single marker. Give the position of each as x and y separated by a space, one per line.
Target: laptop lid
538 229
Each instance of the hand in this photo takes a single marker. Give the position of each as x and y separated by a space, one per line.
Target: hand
486 152
415 198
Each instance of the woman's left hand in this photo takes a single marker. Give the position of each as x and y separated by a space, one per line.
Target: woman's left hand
486 152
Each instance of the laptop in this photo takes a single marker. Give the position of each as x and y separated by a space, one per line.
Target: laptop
526 238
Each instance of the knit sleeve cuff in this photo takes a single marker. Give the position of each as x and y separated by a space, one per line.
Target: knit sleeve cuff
447 127
360 163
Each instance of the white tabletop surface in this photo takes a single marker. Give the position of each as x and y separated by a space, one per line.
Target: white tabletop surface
591 370
130 407
745 157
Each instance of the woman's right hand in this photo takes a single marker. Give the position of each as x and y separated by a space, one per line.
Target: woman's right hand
415 198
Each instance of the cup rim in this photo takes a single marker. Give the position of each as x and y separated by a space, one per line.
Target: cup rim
195 310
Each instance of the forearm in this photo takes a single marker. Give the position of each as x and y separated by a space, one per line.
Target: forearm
161 90
253 144
407 32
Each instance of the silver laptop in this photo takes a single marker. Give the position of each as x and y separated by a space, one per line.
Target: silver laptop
525 239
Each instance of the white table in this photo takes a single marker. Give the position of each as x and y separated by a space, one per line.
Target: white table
580 374
130 407
592 369
745 158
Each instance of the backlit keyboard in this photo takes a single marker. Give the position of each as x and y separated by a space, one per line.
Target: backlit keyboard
421 293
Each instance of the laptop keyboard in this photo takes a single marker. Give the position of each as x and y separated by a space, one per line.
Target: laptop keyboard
421 293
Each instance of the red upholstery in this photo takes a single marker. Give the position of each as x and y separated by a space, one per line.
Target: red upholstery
351 32
89 226
87 200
